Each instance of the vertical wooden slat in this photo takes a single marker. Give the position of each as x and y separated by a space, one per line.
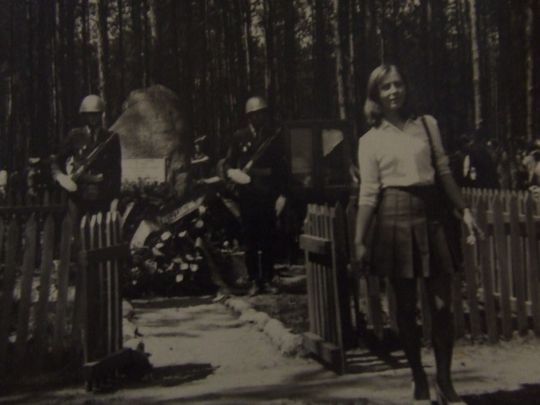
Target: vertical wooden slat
334 312
517 265
341 302
92 296
355 284
63 285
109 285
308 229
487 279
329 314
499 233
322 279
319 286
316 278
8 286
534 261
342 279
457 289
116 239
102 290
47 250
84 241
29 260
457 305
470 277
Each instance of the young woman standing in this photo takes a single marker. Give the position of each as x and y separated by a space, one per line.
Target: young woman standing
398 166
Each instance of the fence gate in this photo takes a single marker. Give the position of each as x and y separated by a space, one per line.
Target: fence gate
324 245
35 285
101 259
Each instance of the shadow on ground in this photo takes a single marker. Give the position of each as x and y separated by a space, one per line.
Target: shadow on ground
166 376
528 394
171 302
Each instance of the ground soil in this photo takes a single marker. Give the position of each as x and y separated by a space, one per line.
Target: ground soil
291 309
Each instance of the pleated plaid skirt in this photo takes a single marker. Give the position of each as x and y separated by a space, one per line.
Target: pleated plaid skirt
408 239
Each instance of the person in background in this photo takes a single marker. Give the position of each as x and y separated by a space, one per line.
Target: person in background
398 181
532 163
479 169
255 166
92 182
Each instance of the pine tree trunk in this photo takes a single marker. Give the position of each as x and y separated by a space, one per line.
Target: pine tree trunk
56 59
103 57
529 29
341 100
121 56
69 61
320 101
290 56
535 7
475 58
269 68
138 61
86 45
503 91
248 43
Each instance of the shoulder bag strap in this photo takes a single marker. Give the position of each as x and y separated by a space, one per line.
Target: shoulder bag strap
430 140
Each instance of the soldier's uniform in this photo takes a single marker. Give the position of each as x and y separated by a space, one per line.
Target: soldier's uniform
93 195
269 180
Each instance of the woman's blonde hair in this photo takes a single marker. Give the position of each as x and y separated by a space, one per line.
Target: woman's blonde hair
372 106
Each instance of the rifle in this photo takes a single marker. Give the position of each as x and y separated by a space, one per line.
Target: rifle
241 176
76 167
80 166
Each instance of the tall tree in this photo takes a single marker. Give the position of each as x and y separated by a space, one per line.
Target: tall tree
529 29
103 55
341 99
475 57
137 45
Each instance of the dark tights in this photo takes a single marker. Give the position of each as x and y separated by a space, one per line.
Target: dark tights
438 290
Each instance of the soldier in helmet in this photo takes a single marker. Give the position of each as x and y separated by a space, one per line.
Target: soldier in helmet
97 180
255 164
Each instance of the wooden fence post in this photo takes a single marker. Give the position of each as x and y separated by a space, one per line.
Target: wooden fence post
63 286
517 264
502 264
29 260
534 261
47 250
12 248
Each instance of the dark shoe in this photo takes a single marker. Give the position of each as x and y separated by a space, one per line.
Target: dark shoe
270 289
220 296
443 398
254 290
426 401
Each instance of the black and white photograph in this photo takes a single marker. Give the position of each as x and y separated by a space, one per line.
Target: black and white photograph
282 202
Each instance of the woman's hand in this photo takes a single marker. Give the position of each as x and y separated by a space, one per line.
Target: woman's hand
360 252
359 260
472 227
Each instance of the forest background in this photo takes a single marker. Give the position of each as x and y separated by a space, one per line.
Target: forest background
474 64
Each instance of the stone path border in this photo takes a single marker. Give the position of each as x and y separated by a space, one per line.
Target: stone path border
288 343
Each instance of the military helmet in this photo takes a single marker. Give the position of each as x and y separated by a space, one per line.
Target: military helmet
255 104
92 104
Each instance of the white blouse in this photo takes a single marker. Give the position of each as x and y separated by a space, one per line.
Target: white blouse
390 157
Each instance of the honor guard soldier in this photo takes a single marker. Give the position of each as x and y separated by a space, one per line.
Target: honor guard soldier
88 164
256 167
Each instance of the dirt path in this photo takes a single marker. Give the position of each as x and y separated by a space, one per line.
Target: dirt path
203 354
